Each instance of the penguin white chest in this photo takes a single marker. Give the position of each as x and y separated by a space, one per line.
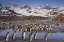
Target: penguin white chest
14 36
24 34
7 37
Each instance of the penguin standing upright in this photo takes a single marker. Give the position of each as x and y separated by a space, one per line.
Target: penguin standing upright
46 36
35 35
14 35
26 30
19 29
7 37
23 35
30 30
30 36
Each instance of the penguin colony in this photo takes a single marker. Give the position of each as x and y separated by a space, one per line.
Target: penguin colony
57 22
32 28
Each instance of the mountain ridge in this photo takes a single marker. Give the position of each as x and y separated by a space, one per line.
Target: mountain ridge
45 11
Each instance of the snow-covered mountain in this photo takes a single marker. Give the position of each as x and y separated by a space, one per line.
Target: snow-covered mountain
6 11
45 11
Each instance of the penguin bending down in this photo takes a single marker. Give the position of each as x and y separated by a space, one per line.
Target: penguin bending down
7 37
14 35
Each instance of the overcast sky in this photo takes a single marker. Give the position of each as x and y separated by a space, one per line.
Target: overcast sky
32 3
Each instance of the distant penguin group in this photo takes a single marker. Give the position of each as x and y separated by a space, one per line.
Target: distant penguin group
32 31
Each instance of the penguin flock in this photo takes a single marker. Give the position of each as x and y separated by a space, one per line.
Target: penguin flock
57 22
32 28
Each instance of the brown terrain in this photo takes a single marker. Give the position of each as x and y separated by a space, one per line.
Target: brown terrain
21 18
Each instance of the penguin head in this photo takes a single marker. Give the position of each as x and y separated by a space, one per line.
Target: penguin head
14 31
7 32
